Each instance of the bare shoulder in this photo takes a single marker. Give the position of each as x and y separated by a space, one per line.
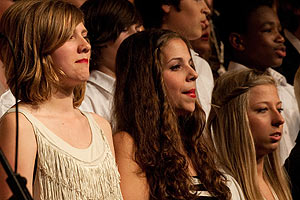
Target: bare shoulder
123 139
124 145
27 147
132 176
8 123
105 126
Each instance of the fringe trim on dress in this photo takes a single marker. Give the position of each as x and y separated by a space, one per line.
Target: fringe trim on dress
62 176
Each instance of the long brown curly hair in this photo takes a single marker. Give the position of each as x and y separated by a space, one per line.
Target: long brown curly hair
163 141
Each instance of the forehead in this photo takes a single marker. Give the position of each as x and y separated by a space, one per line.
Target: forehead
261 16
175 46
263 93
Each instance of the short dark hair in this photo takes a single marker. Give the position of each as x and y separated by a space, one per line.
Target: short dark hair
234 16
105 20
152 13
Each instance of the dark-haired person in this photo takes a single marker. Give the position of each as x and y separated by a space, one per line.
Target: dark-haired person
108 23
188 18
160 149
253 40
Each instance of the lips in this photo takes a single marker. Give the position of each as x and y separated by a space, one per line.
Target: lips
191 93
205 37
275 137
280 52
84 60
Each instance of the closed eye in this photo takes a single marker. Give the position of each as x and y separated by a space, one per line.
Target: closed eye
262 110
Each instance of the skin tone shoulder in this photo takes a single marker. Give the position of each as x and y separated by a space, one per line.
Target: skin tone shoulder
180 81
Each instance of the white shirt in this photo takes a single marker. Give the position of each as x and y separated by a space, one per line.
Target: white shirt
204 82
290 111
234 187
7 100
99 94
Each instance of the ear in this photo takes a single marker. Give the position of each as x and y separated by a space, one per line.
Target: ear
236 41
166 8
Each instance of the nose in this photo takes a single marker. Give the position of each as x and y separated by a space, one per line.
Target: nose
192 74
205 9
277 120
279 37
85 46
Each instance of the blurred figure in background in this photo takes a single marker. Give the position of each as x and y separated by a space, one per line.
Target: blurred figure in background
289 15
209 46
108 23
253 40
187 18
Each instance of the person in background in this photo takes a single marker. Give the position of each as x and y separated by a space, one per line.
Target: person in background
209 47
245 126
108 23
253 40
187 18
62 152
289 15
159 144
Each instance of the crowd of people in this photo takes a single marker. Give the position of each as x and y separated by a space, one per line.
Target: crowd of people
151 99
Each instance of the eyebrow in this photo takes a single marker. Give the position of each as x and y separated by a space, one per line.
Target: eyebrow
177 58
266 102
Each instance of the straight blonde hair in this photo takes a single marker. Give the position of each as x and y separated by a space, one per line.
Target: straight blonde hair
230 134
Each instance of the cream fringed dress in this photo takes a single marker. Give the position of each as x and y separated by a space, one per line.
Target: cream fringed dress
67 173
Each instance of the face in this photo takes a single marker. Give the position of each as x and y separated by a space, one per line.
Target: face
108 55
179 76
266 122
189 21
202 44
264 44
72 58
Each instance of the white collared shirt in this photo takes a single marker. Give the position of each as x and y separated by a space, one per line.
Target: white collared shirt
99 94
7 100
290 111
204 82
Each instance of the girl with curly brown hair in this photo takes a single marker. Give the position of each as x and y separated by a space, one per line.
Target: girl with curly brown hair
160 150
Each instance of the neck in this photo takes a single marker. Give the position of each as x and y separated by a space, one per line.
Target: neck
249 64
107 70
106 63
260 166
61 101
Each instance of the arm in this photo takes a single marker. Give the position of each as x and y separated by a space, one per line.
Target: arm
133 185
105 126
26 153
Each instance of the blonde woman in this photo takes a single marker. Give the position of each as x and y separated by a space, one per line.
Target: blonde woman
246 126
